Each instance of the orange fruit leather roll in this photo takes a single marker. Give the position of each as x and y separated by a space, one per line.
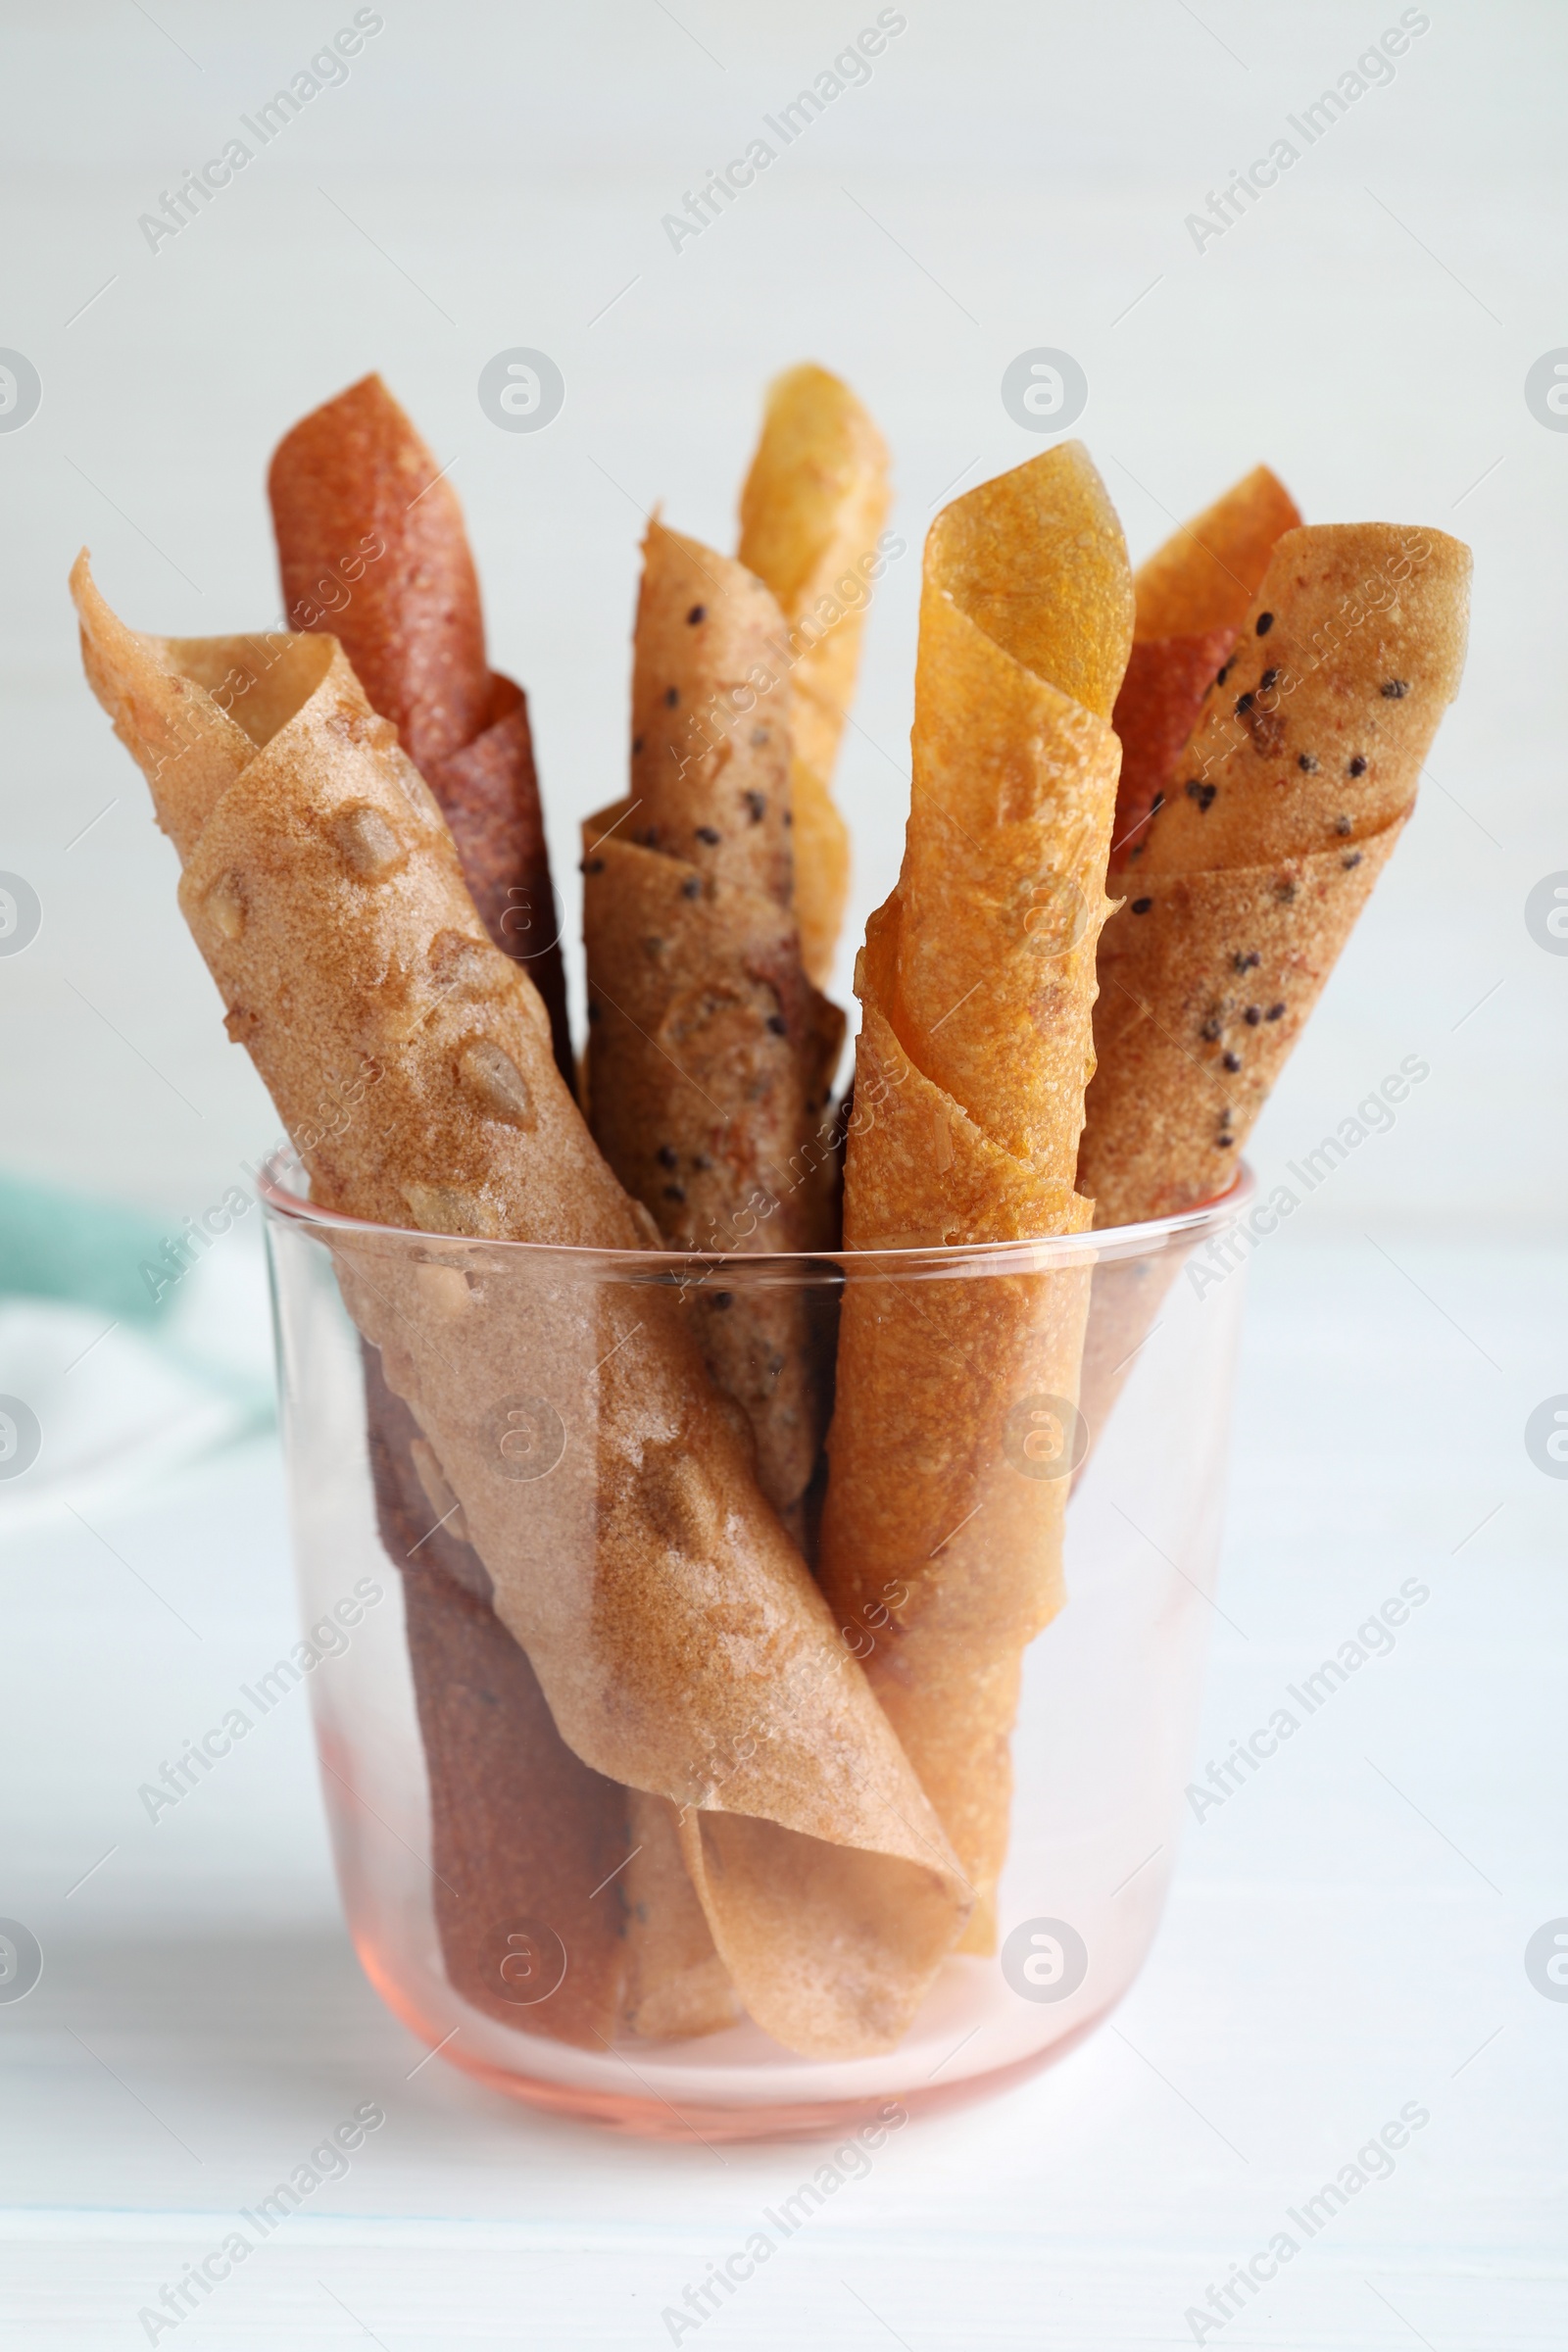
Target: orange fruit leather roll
940 1542
811 508
709 1065
372 548
680 1641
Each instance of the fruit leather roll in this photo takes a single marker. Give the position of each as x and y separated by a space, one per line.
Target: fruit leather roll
524 1837
812 506
679 1637
405 605
1192 596
372 550
711 1054
977 983
1291 794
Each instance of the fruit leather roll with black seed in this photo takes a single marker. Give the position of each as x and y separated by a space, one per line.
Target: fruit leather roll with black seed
711 1054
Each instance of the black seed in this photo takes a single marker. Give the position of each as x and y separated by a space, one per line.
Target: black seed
672 1192
593 865
1247 962
775 1365
636 745
1244 704
668 1156
789 817
755 806
1232 1061
691 888
1342 824
698 613
1265 622
700 1159
1158 802
1203 794
1274 1012
723 1298
778 1024
1308 764
1141 906
1220 675
1355 859
593 1013
1270 678
707 834
1252 1016
1225 1142
1357 767
1394 690
671 697
648 837
1285 892
1213 1028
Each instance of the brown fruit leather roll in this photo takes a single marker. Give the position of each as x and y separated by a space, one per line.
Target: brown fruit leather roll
1295 789
709 1065
372 551
1191 597
711 1054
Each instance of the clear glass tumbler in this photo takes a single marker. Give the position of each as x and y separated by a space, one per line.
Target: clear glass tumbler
485 1870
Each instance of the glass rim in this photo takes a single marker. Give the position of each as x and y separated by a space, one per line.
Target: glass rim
1030 1256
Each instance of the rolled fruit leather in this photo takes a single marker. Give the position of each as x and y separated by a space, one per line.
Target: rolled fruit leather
514 1816
708 1074
977 983
811 511
1191 597
1294 791
679 1640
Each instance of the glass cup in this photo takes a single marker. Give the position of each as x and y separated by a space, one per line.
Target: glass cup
487 1874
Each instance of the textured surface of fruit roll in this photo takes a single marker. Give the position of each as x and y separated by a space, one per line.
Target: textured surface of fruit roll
952 1431
812 509
1299 779
523 1834
711 1054
372 550
679 1640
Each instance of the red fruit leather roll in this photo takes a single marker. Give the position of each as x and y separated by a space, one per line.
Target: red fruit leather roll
1160 703
372 551
523 1833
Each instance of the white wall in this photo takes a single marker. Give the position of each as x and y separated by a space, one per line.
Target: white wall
1026 171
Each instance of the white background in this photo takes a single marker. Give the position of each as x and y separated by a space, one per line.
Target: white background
1011 176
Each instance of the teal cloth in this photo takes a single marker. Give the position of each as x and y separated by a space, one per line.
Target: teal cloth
56 1244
